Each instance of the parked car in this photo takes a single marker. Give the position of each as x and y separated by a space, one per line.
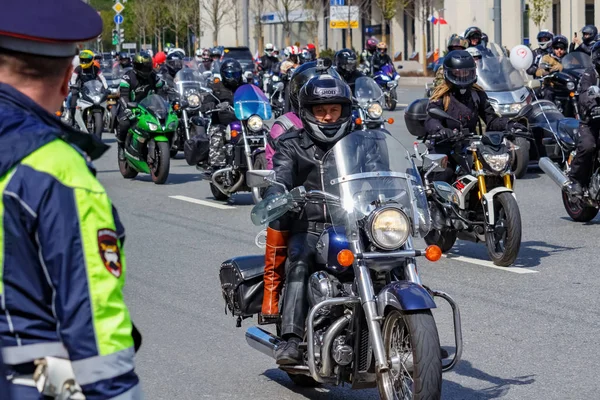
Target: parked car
242 54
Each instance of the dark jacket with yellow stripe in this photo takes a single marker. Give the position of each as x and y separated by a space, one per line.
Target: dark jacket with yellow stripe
62 267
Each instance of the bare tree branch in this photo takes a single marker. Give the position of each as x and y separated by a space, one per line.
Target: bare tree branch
285 9
216 11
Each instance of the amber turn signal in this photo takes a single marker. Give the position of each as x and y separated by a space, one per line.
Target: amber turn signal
345 258
234 134
176 107
58 113
433 253
358 121
390 121
217 80
572 94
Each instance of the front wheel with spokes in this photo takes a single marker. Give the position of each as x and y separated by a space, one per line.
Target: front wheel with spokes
412 348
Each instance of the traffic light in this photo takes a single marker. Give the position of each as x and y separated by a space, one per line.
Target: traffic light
122 35
115 37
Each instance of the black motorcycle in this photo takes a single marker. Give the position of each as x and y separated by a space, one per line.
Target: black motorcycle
369 322
564 83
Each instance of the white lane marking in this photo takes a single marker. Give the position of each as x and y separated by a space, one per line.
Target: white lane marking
489 264
402 105
202 202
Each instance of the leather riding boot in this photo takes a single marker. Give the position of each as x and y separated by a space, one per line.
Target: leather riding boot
275 256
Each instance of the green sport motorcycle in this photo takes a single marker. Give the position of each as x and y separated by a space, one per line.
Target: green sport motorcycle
149 140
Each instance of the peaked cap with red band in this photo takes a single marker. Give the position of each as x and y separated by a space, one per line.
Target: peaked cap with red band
49 28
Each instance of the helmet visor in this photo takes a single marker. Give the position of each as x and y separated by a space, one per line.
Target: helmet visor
462 76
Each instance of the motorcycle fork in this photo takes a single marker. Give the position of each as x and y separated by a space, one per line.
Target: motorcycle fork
480 175
187 125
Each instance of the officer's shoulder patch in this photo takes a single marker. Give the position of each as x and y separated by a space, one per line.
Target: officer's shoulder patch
109 251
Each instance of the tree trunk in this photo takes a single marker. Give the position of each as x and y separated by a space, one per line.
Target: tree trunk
383 34
215 37
316 41
391 42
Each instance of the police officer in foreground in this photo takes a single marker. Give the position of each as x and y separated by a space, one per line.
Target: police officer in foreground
62 262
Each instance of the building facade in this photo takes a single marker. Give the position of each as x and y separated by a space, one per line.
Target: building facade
406 29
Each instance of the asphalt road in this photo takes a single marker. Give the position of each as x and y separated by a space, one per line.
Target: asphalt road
530 332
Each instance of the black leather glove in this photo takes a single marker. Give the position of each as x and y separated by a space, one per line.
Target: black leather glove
443 134
517 127
595 112
128 113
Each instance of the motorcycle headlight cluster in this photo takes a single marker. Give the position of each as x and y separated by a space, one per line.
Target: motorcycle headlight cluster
392 84
96 98
275 78
570 85
497 162
374 110
255 123
388 228
172 126
193 100
152 126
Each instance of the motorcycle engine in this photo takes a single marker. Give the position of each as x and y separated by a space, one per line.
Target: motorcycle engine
322 286
594 187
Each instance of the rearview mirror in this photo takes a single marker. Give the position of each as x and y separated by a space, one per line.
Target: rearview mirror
279 86
439 162
207 74
132 104
441 115
260 178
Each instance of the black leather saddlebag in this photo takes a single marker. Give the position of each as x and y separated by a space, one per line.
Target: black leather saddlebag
196 148
242 284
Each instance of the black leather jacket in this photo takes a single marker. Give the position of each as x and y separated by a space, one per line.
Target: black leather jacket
588 78
298 161
467 108
584 48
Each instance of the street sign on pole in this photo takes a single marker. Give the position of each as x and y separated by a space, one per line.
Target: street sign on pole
118 7
341 16
118 19
130 46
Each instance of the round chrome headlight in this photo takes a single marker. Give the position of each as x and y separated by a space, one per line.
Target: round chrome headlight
389 228
570 85
255 123
193 100
374 111
497 162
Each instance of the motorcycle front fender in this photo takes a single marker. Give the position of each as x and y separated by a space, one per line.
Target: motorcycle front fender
488 203
404 296
160 138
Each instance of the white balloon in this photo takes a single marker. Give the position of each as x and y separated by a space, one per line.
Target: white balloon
521 57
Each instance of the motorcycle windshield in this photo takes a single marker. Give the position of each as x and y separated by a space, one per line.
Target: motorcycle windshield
92 88
189 80
367 91
249 100
576 61
156 105
367 169
495 72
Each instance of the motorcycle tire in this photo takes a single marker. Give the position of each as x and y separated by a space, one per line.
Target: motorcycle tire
444 239
98 125
217 194
159 168
578 211
173 152
303 380
424 345
507 212
392 100
126 170
520 158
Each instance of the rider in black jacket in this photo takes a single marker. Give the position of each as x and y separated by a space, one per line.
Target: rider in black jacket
589 104
268 61
345 64
586 43
326 112
380 58
135 86
463 100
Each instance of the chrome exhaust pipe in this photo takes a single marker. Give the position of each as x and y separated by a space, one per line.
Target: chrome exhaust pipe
332 332
263 341
553 171
232 189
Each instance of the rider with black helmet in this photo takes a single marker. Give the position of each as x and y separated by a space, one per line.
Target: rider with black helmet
345 64
587 41
135 85
552 63
326 113
544 39
463 100
231 79
124 60
474 36
172 66
589 104
455 42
